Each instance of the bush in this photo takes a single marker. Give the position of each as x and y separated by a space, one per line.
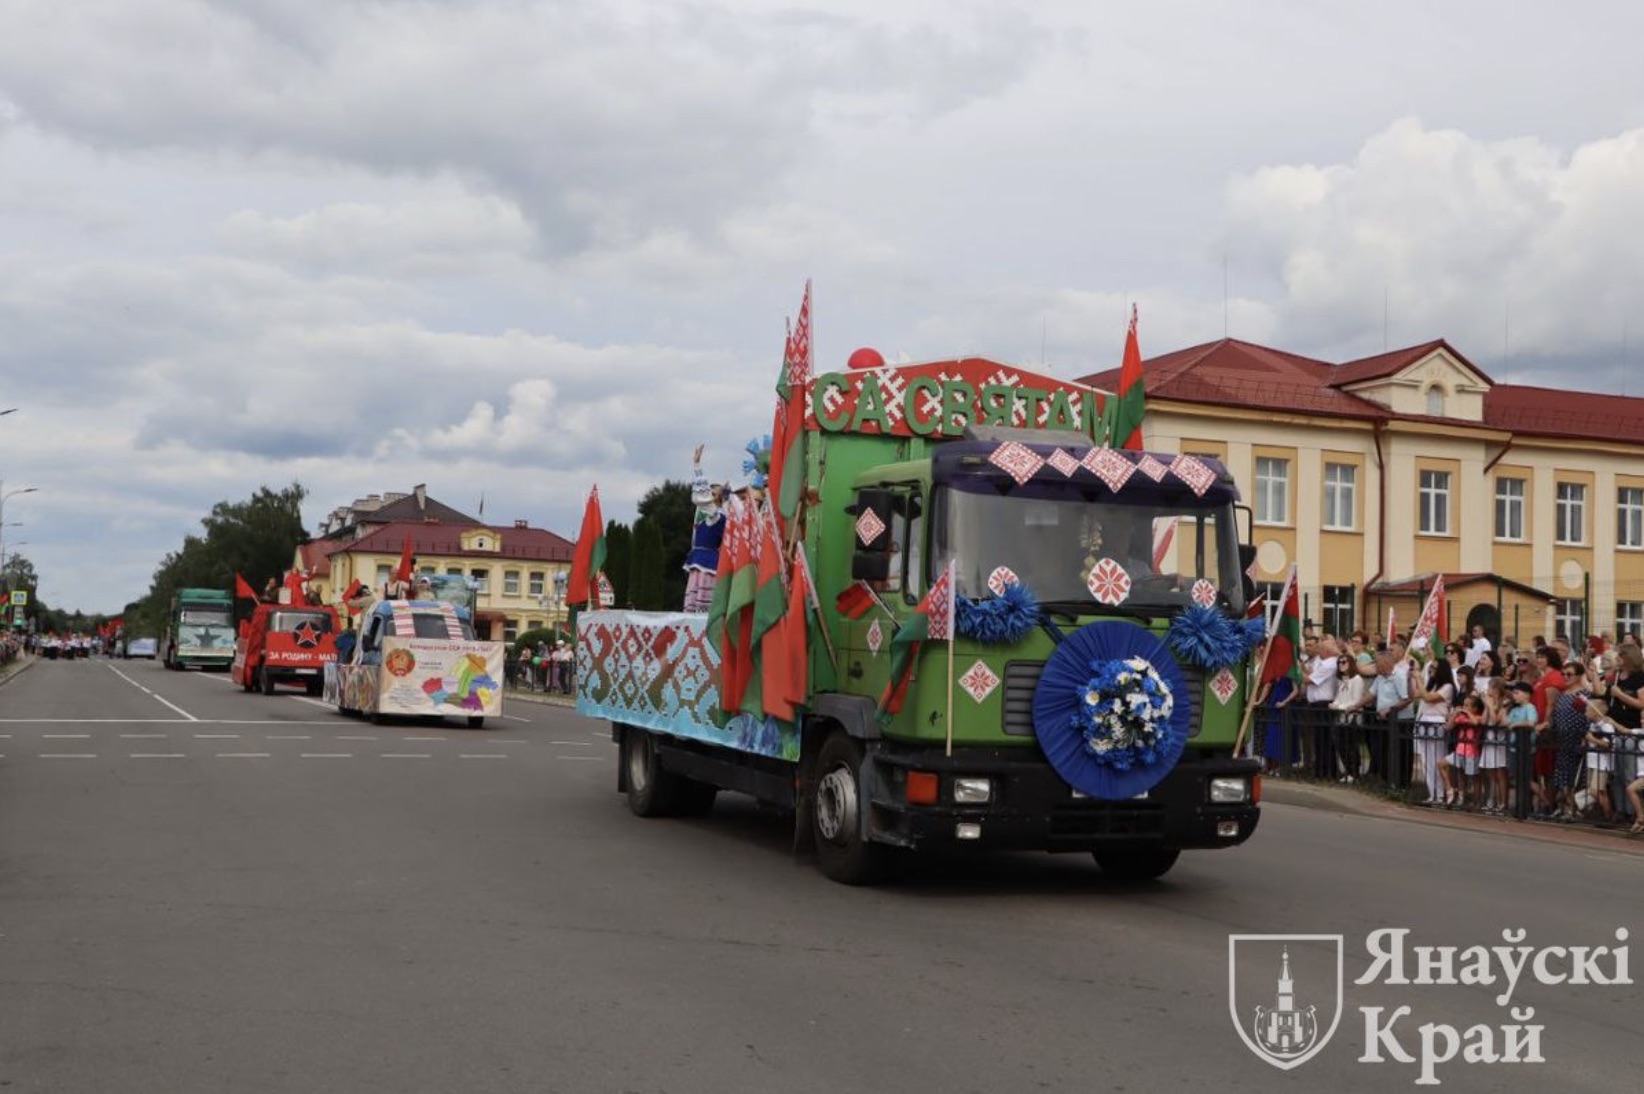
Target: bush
535 638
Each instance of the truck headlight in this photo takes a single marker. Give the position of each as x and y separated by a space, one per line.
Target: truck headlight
969 791
1229 790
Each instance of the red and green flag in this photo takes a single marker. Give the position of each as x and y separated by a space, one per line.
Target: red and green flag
1284 643
787 473
1130 402
932 621
1428 636
589 558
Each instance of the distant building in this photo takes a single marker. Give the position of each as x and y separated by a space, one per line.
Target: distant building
520 570
1378 474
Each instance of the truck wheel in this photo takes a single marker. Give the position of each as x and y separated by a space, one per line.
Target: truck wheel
1148 865
476 721
836 816
314 687
652 792
265 680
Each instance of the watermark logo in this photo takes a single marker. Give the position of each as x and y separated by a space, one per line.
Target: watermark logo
1283 1019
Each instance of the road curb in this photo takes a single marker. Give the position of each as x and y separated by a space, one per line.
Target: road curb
1358 803
21 666
566 701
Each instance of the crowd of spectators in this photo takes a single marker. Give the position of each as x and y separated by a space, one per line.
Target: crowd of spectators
546 667
1546 730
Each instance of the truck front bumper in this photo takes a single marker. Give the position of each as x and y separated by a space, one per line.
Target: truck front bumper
1029 807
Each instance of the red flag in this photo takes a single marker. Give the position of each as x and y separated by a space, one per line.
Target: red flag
1284 645
1429 629
354 590
786 479
943 604
589 558
402 572
1131 401
243 589
856 601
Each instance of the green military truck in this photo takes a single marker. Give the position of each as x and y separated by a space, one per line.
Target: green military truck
1089 697
199 630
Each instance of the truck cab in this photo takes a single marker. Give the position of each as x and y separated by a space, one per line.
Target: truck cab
285 643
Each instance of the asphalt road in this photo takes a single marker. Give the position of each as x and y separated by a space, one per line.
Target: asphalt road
202 890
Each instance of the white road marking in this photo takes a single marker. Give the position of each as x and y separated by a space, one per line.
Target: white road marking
65 736
407 755
242 755
505 741
288 737
596 759
574 744
513 718
321 703
344 738
440 739
159 756
326 755
91 721
152 694
68 755
216 736
482 756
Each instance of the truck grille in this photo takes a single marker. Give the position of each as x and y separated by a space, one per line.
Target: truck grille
1022 677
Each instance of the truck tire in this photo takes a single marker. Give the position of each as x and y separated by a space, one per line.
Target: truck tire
265 680
836 816
476 721
1144 865
314 687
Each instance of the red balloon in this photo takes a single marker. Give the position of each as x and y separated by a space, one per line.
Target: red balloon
866 358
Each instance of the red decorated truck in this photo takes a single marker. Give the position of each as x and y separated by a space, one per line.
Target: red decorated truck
285 644
1021 637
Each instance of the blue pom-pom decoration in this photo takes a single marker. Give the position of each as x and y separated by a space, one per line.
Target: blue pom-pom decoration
1207 638
1255 632
756 468
999 620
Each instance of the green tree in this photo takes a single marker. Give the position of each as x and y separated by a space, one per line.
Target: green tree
645 583
619 552
669 505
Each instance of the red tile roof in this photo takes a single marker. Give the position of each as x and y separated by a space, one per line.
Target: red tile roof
316 556
523 544
1241 374
1423 583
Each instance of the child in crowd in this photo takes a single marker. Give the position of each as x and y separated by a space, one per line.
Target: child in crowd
1460 766
1492 762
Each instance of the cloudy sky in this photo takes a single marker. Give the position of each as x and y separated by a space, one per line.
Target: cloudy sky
513 247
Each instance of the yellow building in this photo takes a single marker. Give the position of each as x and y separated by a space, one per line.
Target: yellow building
1374 476
520 571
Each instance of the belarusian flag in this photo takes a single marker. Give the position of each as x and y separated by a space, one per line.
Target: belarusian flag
787 474
1429 630
770 598
1284 644
785 654
1130 403
933 619
589 558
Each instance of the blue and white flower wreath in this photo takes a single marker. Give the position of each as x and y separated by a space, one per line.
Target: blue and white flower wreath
1124 717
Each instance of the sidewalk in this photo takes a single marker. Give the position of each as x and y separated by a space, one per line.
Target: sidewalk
1354 801
546 698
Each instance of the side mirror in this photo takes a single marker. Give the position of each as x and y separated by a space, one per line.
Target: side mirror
874 511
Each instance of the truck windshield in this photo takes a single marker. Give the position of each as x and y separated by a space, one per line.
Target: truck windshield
207 617
1053 543
428 625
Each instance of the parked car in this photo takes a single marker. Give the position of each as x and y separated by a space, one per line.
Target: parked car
142 647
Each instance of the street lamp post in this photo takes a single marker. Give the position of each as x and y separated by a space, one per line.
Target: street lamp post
4 494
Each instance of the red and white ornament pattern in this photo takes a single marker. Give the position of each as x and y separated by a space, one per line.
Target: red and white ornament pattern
1000 577
1108 582
1203 593
869 528
1192 470
1223 685
1017 460
1151 466
979 681
1107 465
876 637
1063 462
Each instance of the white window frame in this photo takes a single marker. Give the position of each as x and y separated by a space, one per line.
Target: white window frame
1570 514
482 580
1341 497
1272 482
1629 616
1629 516
1435 400
537 585
1568 621
1433 502
1509 510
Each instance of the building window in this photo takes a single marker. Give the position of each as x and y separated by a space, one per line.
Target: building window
1338 609
1272 490
1509 508
1571 513
1629 617
1435 401
1340 495
1569 621
482 580
453 571
1629 516
1272 593
510 631
510 583
1435 503
383 570
536 583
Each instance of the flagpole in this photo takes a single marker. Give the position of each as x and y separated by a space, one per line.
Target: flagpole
1255 691
953 639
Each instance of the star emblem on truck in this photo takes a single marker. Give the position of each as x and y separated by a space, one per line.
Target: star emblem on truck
306 635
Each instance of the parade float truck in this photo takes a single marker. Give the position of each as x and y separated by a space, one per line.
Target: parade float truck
418 658
1091 696
285 644
199 630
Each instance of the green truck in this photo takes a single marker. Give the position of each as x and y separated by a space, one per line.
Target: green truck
1090 692
199 630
